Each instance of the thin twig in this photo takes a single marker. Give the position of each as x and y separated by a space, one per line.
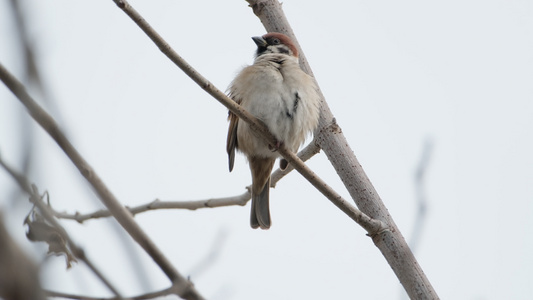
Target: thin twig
30 76
152 295
48 214
122 215
420 198
304 154
157 204
420 193
372 226
214 252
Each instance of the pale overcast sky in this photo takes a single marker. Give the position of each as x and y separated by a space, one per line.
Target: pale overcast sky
394 73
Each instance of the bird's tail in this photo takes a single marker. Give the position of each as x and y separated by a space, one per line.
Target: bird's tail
260 213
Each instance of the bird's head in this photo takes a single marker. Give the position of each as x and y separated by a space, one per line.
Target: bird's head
275 42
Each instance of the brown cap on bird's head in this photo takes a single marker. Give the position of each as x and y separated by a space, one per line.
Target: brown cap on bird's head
275 42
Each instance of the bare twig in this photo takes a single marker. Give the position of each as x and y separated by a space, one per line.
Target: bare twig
420 193
212 256
157 204
23 183
32 73
76 250
31 76
420 198
47 213
372 226
122 215
305 154
152 295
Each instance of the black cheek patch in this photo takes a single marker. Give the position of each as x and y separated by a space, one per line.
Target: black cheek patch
260 50
283 50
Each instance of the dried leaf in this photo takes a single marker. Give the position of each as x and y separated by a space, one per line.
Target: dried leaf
41 231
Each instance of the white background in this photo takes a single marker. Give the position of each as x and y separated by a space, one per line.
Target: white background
395 74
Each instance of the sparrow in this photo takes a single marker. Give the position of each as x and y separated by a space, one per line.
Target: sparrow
276 91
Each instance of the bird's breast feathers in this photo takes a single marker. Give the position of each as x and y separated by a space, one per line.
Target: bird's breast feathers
282 96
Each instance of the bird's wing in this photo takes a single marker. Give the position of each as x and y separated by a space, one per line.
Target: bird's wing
231 143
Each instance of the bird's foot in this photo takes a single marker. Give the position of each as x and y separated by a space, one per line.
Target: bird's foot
275 147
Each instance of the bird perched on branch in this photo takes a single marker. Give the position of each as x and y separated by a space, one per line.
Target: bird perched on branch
276 91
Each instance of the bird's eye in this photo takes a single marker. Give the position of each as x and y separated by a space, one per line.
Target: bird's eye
276 41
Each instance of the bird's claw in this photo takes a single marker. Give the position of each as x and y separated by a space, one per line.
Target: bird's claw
275 147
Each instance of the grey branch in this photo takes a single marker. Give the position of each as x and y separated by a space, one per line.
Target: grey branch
152 295
185 289
330 138
305 154
158 204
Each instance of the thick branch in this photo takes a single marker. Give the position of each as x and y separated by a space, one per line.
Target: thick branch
121 214
330 138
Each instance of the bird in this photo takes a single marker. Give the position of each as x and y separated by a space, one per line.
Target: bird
279 93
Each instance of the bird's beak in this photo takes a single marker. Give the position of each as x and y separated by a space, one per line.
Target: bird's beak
259 41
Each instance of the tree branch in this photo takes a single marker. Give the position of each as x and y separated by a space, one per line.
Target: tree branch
122 215
158 204
152 295
305 154
330 138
